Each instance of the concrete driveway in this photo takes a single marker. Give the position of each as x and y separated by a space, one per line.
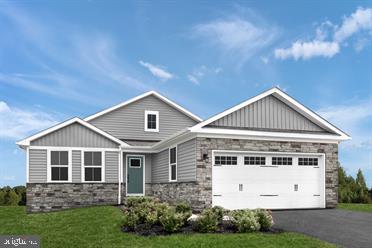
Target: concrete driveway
341 227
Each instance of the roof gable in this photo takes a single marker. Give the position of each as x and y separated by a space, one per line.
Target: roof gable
28 141
285 99
153 93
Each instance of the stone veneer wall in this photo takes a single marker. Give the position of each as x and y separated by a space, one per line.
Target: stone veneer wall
46 197
206 145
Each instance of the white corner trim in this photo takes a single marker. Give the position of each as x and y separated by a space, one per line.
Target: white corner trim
27 165
27 141
154 93
120 164
49 166
283 96
169 163
103 166
150 112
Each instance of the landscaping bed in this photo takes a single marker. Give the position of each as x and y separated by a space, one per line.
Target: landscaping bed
147 216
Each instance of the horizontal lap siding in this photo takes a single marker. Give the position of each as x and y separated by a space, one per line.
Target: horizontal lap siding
160 167
111 167
37 166
268 113
75 135
76 166
128 122
186 161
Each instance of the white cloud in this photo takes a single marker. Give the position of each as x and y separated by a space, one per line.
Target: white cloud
360 20
193 79
237 36
307 50
157 71
8 178
17 123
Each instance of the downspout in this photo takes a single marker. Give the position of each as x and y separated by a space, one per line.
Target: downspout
119 175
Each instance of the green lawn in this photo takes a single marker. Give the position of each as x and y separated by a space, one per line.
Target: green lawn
356 207
100 227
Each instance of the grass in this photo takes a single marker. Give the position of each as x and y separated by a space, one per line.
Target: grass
356 207
100 227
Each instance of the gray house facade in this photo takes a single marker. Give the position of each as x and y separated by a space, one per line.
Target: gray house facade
269 152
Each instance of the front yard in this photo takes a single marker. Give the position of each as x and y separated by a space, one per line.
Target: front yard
356 207
100 227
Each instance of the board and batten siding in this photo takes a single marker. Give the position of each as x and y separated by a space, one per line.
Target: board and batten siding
148 166
186 163
111 166
128 122
76 166
37 165
75 135
268 113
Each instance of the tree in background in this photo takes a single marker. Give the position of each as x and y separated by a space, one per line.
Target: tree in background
10 197
21 192
350 190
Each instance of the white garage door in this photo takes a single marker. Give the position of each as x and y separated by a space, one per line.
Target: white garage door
267 180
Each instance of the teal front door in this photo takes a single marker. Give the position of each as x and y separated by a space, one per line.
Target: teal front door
135 173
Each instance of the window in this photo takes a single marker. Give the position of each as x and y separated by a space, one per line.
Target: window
225 160
308 161
134 162
59 165
151 121
93 167
173 164
251 160
281 161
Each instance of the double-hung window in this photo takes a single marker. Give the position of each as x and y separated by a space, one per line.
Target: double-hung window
93 171
173 164
59 164
151 121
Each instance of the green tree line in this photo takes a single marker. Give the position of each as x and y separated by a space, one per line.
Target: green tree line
352 190
13 196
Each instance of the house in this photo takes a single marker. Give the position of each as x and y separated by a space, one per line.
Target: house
269 152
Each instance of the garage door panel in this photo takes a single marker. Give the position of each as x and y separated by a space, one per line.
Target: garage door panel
273 187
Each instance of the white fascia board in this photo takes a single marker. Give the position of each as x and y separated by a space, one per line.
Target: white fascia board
26 142
283 96
258 135
154 93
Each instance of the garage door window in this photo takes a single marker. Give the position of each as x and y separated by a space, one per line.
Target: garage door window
252 160
281 161
225 160
308 161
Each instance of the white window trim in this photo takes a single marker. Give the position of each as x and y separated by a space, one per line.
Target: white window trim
83 166
170 165
156 113
49 166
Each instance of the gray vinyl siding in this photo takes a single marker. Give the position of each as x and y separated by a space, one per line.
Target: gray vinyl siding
268 113
186 161
76 166
160 167
148 166
128 122
37 166
111 167
75 135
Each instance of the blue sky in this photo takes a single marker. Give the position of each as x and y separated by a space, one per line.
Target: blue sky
68 58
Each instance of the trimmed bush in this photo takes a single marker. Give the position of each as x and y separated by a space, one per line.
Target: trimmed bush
245 221
264 218
208 221
183 207
132 202
172 221
130 220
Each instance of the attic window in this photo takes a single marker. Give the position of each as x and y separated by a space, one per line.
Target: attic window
151 121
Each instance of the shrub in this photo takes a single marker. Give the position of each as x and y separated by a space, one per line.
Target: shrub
219 211
245 221
172 221
264 219
134 201
208 221
183 207
130 220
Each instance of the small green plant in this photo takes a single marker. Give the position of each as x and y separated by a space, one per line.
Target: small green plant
208 221
183 207
130 220
245 221
264 218
172 221
132 202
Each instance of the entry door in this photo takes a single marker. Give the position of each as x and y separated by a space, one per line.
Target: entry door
135 169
